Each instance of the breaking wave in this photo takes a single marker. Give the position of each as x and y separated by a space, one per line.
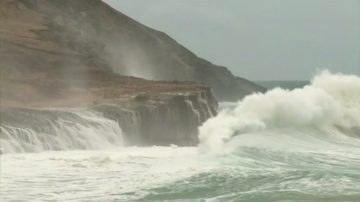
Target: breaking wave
329 106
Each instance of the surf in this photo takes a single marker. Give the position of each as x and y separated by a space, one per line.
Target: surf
30 130
329 105
282 145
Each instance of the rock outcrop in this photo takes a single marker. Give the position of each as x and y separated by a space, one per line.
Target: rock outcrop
152 118
148 112
162 119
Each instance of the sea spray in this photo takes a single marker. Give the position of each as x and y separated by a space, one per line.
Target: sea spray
330 103
27 130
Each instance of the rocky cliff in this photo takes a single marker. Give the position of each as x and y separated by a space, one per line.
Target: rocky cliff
147 112
56 55
159 117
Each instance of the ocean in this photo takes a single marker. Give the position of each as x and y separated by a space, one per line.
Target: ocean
289 144
283 84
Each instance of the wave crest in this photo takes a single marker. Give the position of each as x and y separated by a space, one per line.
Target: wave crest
331 101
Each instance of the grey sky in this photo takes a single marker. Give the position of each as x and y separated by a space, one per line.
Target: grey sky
260 39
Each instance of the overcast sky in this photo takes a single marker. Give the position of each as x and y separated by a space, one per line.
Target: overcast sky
260 39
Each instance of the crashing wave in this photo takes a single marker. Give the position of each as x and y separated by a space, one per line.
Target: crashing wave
330 103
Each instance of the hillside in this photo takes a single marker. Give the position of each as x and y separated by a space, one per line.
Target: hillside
44 41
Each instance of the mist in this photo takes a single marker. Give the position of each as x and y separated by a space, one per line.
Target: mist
260 40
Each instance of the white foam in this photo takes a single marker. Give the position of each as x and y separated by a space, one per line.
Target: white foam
82 130
330 101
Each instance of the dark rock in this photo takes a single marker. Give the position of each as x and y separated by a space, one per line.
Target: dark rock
173 119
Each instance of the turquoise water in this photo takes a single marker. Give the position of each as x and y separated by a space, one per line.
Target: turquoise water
251 173
271 166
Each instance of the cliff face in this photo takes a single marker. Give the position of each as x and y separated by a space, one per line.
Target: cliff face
145 119
162 120
73 38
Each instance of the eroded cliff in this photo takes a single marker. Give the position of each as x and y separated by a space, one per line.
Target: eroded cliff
151 118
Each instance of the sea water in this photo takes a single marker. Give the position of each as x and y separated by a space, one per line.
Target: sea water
284 145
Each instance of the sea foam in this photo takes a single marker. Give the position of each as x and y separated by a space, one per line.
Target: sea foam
330 102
